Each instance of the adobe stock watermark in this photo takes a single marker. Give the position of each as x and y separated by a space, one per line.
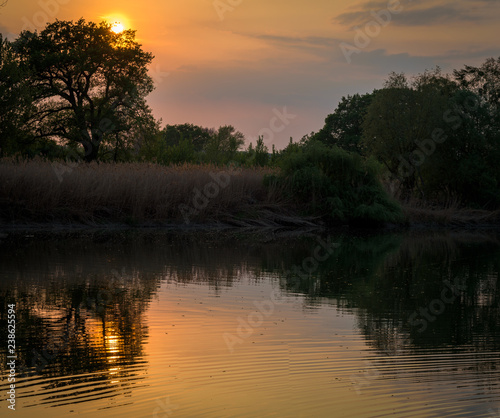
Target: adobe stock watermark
224 6
201 198
264 309
42 358
373 371
436 307
164 408
73 159
49 9
157 74
427 147
419 318
365 378
364 36
493 414
277 124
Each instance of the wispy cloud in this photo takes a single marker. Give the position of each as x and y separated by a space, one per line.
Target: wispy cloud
313 41
421 14
381 62
6 33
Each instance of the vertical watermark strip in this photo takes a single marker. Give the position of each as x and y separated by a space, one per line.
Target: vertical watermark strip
11 356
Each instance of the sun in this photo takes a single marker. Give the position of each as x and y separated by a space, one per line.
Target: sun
117 27
118 21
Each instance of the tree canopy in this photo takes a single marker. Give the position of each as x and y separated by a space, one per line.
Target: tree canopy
440 136
89 83
197 135
79 87
343 127
483 80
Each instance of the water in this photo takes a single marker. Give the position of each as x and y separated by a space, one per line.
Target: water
245 325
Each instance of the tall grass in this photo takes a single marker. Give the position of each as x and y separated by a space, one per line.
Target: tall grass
130 192
141 193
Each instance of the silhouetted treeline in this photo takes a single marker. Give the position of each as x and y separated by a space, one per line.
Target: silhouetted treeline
434 137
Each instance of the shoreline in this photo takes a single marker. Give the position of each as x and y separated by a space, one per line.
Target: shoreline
221 226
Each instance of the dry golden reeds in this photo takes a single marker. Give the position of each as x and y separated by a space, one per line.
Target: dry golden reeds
133 192
141 193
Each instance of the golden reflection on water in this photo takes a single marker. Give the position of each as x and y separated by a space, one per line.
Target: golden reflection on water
338 345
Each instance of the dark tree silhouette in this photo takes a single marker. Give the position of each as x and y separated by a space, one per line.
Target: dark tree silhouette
90 82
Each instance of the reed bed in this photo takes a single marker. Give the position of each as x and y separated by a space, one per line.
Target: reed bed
31 191
131 192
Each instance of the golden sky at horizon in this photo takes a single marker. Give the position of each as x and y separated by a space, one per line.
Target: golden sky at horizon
241 64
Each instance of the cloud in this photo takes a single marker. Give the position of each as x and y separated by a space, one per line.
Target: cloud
314 41
380 62
6 33
421 14
318 46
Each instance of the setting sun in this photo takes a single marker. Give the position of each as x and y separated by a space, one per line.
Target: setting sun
117 27
118 21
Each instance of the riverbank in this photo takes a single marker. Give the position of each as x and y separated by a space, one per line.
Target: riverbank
40 195
419 219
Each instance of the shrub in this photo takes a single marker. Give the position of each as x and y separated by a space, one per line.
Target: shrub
336 184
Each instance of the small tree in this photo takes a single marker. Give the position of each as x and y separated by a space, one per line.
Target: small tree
223 145
261 152
197 135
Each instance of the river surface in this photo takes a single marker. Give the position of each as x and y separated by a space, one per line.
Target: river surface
252 325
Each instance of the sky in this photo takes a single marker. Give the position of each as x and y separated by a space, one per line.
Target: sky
277 68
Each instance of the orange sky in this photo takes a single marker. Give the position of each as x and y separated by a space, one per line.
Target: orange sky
245 64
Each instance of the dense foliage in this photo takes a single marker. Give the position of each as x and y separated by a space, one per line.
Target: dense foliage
437 135
336 184
343 127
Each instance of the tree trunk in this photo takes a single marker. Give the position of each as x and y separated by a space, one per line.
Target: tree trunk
91 150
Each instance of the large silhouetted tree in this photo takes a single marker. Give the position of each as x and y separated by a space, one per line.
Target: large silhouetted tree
399 121
90 82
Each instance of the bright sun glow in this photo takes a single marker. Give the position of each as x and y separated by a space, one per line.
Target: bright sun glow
117 27
118 21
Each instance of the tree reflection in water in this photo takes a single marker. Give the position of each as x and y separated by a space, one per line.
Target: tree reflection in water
81 302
